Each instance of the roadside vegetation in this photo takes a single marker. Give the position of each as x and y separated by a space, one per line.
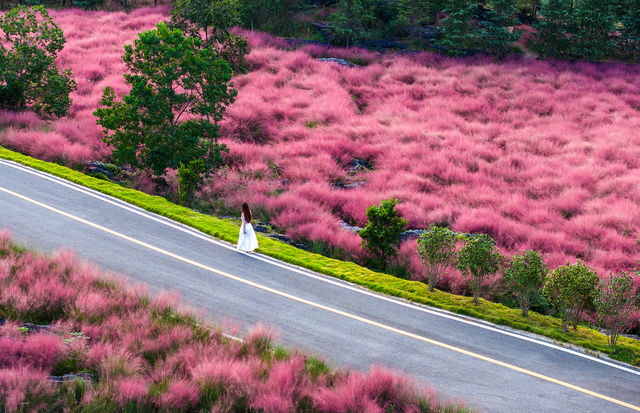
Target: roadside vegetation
74 339
626 350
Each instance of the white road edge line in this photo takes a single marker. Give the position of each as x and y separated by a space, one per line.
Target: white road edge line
181 227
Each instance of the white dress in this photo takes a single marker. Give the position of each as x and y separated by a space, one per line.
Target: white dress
247 240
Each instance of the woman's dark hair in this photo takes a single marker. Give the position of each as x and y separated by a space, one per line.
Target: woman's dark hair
247 212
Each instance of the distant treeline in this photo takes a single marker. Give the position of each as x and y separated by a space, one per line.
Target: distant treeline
566 29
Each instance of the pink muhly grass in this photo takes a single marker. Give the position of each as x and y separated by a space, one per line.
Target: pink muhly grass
181 394
134 389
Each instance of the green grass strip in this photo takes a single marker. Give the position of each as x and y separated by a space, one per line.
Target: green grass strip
628 350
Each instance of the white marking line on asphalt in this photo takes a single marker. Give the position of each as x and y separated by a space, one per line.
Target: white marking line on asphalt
324 307
181 227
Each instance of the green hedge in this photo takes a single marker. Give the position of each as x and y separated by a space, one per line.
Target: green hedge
628 350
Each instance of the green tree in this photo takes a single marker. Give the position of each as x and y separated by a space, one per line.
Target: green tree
553 28
28 74
616 300
594 24
352 21
570 290
498 31
629 40
478 259
269 15
413 13
210 21
524 277
460 27
437 249
179 91
381 234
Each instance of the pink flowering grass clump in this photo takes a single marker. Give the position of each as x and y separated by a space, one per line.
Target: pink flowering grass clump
127 351
539 155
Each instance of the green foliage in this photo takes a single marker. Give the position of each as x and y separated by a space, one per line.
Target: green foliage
570 290
553 28
594 23
269 15
189 179
524 278
437 249
352 21
172 77
460 28
498 32
381 234
28 74
477 259
629 40
210 21
615 301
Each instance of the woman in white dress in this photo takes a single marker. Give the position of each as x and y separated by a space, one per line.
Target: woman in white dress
247 240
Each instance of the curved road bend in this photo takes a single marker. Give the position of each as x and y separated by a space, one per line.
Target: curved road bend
486 366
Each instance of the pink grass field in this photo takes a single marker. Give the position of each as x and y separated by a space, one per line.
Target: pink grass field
541 155
145 354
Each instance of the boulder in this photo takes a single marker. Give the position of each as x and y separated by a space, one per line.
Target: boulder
36 328
261 228
411 234
341 62
356 165
348 227
342 185
99 167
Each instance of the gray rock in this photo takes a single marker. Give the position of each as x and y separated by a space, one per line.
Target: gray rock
261 228
341 62
356 165
36 328
411 234
342 185
348 227
86 377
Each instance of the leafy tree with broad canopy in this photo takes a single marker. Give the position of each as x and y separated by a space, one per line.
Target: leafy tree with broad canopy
570 289
352 21
381 235
179 92
210 21
616 300
437 249
524 277
478 259
29 77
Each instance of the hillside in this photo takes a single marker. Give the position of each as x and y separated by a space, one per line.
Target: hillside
539 155
74 338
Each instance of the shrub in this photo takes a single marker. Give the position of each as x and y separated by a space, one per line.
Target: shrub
477 259
615 301
570 289
381 235
437 248
524 278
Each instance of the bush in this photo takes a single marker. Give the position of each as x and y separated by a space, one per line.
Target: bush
615 301
381 235
478 259
570 290
524 278
437 248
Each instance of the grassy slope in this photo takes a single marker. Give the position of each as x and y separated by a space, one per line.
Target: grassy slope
628 350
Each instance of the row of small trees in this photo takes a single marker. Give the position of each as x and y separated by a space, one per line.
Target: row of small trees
569 289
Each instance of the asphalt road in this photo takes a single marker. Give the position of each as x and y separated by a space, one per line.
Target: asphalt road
487 366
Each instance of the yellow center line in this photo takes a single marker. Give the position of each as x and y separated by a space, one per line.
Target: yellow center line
327 308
